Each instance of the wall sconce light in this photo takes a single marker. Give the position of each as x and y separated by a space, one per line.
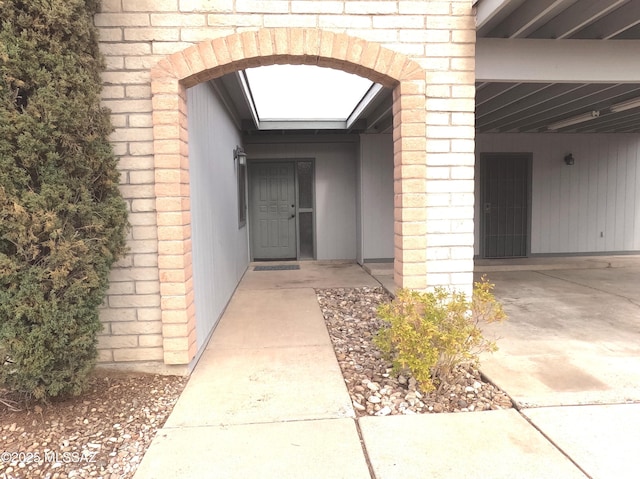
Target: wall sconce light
569 159
239 155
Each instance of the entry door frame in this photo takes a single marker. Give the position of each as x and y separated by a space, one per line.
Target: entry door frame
528 158
251 164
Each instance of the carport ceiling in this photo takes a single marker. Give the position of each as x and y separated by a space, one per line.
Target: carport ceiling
541 66
577 100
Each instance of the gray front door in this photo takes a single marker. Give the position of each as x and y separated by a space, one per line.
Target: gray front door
273 210
504 190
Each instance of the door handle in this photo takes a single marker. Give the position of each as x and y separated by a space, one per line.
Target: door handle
292 216
487 207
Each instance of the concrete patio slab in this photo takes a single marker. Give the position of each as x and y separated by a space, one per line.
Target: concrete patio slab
387 283
264 318
567 340
263 385
383 273
583 374
328 449
551 263
490 444
604 440
312 274
621 282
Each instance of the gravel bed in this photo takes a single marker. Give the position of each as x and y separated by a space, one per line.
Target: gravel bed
350 315
101 434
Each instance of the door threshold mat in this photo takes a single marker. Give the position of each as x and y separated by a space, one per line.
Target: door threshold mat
277 267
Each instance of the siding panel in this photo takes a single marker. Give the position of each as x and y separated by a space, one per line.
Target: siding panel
631 186
602 196
621 194
376 155
592 206
220 248
636 213
583 198
610 213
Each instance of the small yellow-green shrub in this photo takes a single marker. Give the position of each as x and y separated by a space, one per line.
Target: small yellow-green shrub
431 333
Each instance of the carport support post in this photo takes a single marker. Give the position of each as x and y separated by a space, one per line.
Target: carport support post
434 184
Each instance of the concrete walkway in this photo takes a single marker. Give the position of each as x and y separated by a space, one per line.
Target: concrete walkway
267 399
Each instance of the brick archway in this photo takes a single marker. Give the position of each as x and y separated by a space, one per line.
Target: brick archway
211 59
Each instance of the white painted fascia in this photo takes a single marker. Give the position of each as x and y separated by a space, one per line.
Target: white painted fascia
302 124
373 92
248 97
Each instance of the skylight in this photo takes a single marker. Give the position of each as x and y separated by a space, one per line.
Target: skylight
305 92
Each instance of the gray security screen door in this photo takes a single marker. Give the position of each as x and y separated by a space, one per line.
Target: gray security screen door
273 210
504 190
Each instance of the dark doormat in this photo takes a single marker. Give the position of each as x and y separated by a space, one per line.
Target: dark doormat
277 267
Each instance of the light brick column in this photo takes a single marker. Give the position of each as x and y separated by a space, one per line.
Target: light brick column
171 154
450 134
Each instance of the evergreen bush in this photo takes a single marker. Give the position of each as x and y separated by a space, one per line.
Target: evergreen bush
62 218
431 333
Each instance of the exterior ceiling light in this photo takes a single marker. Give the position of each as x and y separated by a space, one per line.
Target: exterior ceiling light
574 120
626 105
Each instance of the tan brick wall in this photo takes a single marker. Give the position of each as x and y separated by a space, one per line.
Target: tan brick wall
422 49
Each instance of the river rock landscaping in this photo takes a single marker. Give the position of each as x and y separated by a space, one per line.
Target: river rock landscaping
101 434
351 318
105 432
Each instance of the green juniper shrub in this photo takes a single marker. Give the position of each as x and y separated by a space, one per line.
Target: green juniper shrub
431 333
62 219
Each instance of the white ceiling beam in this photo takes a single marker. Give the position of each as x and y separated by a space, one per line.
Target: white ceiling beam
489 91
613 24
529 16
515 95
557 61
487 10
576 17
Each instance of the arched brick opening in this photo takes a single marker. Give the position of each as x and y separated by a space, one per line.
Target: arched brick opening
211 59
